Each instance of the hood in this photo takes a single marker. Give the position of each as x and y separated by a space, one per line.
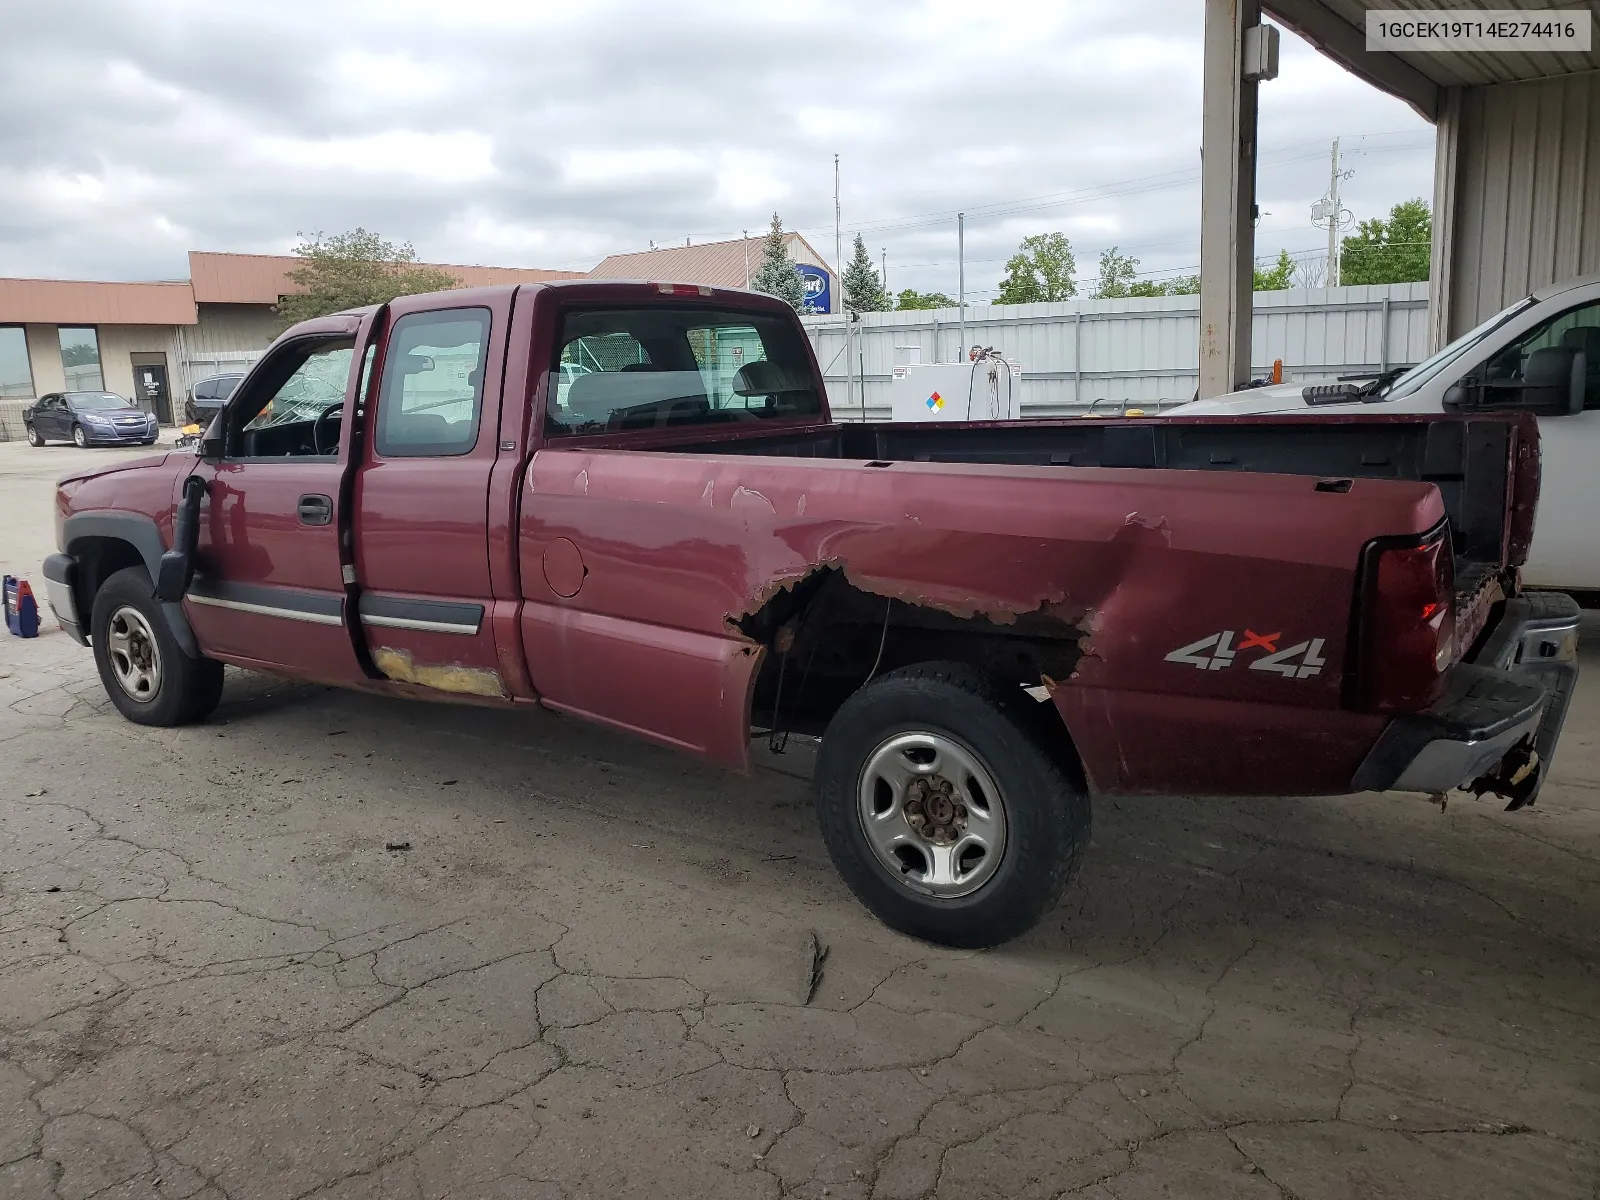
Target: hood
1278 398
123 464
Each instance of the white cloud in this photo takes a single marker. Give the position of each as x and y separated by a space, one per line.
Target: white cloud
543 134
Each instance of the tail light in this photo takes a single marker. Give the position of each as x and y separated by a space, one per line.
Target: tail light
1407 634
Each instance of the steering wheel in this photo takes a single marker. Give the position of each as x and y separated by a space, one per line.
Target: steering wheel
316 429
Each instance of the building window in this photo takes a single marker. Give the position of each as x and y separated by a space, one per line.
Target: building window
16 376
80 358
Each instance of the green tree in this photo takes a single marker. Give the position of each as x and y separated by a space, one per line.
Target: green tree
1398 250
911 298
1277 277
1040 270
352 270
777 275
1117 271
863 290
1116 274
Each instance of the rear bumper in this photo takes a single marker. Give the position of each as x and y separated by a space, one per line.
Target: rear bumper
1514 697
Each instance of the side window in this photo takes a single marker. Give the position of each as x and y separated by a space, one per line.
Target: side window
651 368
432 391
223 388
296 407
1576 329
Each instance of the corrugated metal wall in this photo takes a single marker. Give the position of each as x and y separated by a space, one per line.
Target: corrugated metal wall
1526 192
1108 352
227 337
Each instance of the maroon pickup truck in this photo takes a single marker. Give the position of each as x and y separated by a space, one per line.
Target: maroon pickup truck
628 502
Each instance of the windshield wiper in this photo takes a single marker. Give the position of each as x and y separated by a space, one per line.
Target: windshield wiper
1377 380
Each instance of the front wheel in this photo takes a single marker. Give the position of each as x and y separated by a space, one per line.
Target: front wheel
79 439
144 671
33 437
943 810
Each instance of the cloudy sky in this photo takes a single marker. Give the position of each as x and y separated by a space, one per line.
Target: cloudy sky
531 133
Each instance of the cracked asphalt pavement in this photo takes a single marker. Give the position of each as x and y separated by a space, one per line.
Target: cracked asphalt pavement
591 972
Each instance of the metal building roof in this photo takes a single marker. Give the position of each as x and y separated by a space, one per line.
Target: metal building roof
1338 29
80 302
715 264
262 278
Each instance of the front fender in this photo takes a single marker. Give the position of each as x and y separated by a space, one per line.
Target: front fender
80 530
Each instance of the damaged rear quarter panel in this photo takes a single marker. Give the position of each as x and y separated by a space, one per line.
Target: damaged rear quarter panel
1134 563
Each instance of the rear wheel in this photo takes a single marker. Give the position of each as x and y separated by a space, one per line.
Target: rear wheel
78 437
944 811
145 673
33 437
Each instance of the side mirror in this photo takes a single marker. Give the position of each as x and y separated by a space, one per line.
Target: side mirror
211 446
1554 380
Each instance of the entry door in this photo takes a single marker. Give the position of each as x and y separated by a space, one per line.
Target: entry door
421 495
270 590
150 381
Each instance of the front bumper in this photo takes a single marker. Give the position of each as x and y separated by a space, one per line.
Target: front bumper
1513 698
118 435
59 572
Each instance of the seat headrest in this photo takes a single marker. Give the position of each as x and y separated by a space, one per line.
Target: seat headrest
1587 339
594 397
765 378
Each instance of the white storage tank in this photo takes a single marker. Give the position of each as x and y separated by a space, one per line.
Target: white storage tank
986 390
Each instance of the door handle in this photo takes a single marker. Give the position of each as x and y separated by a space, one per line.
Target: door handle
315 510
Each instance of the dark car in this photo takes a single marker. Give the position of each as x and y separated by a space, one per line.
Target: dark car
208 395
88 419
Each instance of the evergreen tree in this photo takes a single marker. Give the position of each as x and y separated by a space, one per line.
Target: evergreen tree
863 290
777 276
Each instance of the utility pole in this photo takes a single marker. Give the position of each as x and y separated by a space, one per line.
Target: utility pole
746 233
1333 218
883 269
837 302
961 287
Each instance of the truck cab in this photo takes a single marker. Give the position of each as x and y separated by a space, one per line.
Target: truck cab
1540 355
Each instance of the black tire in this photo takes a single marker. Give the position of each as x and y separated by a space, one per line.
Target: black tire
1046 810
79 438
34 438
187 689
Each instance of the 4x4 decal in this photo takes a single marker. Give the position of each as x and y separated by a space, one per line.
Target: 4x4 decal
1217 651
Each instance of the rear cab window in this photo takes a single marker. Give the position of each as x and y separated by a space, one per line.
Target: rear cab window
652 367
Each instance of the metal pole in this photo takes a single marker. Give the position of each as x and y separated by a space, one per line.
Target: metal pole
1227 198
961 259
883 269
836 303
1333 219
1383 340
746 233
1077 358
